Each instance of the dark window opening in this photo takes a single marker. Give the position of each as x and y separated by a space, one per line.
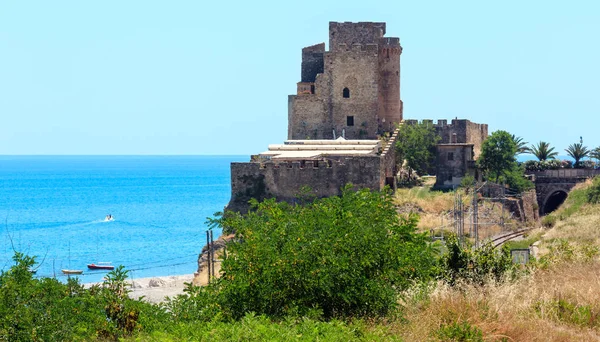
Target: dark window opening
346 93
312 89
450 178
450 155
350 121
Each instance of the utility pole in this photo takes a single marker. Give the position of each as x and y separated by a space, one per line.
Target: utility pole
212 253
474 221
208 261
503 197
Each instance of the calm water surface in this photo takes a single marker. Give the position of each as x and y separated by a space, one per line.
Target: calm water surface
54 207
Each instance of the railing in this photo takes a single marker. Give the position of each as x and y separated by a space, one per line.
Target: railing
567 173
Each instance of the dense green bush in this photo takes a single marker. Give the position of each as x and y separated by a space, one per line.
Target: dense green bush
463 332
47 310
515 179
476 265
338 256
593 192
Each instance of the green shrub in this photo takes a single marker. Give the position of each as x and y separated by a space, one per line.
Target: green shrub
569 311
474 265
549 221
48 310
467 182
342 256
463 332
593 192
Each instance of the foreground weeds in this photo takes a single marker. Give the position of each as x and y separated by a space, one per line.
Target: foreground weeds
561 304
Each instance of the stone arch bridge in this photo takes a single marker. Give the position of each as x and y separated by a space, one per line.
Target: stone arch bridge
552 186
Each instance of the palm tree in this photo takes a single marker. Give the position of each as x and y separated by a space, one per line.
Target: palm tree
521 145
577 151
543 151
595 154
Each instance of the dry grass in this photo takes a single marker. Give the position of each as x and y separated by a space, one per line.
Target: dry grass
526 310
559 300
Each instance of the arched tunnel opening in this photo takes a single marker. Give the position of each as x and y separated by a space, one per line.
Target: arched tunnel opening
554 201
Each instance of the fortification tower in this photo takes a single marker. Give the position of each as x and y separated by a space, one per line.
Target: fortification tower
352 90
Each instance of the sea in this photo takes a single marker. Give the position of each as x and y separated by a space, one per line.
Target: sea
54 208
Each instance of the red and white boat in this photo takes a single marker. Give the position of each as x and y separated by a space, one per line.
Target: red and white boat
101 266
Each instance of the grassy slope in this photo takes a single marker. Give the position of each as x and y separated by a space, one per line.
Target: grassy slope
558 301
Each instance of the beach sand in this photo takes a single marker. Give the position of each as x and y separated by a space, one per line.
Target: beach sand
155 289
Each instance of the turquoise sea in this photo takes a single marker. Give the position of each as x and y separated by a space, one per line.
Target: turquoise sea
54 208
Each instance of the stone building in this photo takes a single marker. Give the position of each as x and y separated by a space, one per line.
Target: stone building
352 90
345 99
458 149
321 166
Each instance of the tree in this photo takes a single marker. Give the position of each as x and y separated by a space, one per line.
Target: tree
521 145
577 151
497 155
595 154
343 256
543 151
416 144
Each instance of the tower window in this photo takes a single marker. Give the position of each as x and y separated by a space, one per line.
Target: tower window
350 121
346 93
450 155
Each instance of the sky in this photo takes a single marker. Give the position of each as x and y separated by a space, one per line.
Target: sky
198 77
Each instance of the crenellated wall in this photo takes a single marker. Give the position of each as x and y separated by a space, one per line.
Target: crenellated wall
325 176
459 131
284 181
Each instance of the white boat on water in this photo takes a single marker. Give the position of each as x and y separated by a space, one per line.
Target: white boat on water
69 272
109 218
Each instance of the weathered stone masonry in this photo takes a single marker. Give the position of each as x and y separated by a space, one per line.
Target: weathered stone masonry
285 180
351 90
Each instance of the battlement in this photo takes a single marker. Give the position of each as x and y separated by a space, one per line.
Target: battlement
317 48
389 42
358 47
442 122
354 33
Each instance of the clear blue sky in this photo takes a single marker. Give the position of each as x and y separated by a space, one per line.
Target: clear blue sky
197 77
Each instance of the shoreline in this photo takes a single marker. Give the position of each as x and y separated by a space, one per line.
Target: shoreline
156 289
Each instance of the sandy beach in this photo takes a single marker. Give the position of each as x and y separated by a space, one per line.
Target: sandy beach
155 289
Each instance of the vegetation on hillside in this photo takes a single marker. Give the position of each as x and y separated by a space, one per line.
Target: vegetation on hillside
342 268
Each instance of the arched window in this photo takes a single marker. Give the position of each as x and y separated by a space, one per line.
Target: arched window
346 93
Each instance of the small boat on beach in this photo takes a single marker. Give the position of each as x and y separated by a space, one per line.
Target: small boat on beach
101 266
70 272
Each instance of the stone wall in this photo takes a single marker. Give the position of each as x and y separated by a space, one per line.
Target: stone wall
349 33
453 162
312 62
389 104
325 177
357 71
284 181
459 131
524 208
353 89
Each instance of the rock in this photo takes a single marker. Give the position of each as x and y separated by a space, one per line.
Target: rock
156 282
135 285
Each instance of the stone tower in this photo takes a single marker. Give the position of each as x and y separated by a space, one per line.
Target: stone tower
351 90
